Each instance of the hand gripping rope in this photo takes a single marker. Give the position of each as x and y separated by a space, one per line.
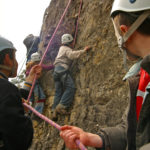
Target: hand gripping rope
79 144
52 123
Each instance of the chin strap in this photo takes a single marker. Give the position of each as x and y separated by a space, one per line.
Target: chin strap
5 67
11 70
123 39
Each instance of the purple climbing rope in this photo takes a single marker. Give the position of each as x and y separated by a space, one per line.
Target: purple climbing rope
75 36
80 145
48 47
52 123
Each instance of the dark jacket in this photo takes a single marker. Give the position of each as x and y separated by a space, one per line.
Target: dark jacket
31 42
16 131
130 135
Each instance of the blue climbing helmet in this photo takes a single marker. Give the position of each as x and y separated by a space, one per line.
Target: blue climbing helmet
5 44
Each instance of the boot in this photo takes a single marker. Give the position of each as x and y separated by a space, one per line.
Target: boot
61 109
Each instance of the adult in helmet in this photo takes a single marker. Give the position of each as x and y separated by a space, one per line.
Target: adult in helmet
131 19
16 130
31 42
64 83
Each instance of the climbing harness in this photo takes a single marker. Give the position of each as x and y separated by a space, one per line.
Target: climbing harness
75 36
79 144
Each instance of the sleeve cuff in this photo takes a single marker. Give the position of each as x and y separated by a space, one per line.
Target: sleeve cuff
27 86
103 139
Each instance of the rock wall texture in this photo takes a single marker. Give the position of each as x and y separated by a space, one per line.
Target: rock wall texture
101 95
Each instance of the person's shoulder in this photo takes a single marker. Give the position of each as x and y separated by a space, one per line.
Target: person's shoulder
7 85
64 47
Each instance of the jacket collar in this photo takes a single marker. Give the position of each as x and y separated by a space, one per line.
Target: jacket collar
146 64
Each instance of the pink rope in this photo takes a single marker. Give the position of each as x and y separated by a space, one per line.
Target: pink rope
30 93
80 145
55 31
75 36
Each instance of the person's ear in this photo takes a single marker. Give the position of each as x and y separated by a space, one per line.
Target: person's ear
7 60
124 29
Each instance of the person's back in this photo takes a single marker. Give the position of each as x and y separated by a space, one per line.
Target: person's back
31 42
62 57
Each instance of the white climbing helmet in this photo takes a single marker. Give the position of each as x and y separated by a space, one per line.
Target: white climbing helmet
35 57
130 5
5 44
66 38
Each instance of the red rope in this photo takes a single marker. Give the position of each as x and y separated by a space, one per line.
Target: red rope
75 36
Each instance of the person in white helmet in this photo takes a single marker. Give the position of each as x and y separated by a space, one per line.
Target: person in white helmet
131 19
38 92
64 83
16 131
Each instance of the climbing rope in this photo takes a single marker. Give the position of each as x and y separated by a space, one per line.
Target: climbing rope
52 123
75 36
33 84
79 144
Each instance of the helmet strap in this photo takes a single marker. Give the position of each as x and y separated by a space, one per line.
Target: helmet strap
123 39
13 70
136 25
5 67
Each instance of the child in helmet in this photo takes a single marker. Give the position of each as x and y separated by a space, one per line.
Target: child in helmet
131 19
64 83
38 91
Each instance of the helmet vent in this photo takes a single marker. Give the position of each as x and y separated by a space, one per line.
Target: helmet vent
132 1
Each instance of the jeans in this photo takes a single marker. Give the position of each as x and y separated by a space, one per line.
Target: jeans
64 87
38 92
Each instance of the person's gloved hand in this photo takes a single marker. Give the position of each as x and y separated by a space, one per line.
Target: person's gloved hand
145 147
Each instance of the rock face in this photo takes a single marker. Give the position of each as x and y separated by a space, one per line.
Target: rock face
101 95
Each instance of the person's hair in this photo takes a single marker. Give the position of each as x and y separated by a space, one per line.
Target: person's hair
123 18
3 53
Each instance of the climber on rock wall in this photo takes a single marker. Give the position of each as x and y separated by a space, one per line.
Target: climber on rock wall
31 42
64 84
38 91
16 131
131 19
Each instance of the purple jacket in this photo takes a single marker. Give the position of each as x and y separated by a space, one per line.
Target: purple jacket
45 67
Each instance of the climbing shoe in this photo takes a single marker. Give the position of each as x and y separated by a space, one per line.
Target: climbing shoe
61 109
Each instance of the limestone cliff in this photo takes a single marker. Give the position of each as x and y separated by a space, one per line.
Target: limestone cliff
101 95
